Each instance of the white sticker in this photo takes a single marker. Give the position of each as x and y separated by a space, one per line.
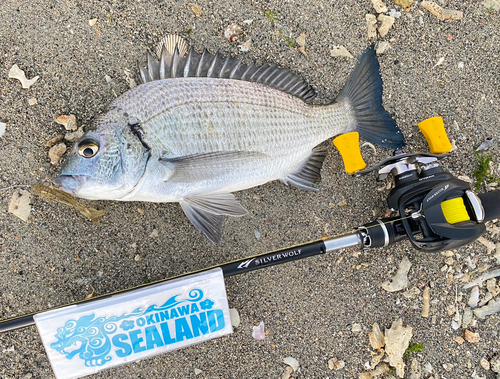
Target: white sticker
87 338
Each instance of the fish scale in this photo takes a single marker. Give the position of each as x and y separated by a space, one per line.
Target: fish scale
265 120
195 140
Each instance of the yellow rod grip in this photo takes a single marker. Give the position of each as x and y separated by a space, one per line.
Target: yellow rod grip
348 146
434 133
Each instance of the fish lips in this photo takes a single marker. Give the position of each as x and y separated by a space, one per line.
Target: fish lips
71 183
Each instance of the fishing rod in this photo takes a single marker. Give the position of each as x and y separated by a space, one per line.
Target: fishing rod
436 212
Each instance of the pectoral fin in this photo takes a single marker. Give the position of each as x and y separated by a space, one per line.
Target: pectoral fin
204 166
207 212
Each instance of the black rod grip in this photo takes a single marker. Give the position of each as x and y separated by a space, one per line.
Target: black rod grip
491 205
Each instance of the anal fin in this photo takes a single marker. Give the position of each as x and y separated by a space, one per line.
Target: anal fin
206 212
310 172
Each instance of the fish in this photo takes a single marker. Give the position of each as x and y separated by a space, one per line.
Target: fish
202 126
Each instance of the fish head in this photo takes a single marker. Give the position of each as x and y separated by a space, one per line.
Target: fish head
105 164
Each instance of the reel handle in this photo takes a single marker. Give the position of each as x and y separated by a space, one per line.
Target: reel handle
491 205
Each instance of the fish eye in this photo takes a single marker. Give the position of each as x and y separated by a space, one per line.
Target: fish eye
88 148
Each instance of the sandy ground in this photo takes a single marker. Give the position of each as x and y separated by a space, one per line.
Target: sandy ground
309 306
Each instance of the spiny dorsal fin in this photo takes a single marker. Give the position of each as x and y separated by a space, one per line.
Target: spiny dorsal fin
173 63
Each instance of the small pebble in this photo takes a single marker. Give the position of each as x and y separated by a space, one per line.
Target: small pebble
474 297
259 331
235 317
16 73
32 101
68 121
448 367
485 364
471 337
197 10
245 46
232 32
386 23
257 233
3 127
459 340
356 328
292 362
340 51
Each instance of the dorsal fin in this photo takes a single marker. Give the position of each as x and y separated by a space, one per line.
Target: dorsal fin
172 63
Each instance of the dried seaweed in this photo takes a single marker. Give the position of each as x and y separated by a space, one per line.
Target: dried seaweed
61 197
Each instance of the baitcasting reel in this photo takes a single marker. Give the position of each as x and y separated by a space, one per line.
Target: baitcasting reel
436 210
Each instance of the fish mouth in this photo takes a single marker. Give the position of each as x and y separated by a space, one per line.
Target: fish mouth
70 183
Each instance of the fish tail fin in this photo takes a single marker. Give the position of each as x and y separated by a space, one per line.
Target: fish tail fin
363 92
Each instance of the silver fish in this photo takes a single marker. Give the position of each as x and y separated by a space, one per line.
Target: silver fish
203 126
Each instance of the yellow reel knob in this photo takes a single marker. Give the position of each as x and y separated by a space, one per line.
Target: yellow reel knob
348 146
454 210
434 133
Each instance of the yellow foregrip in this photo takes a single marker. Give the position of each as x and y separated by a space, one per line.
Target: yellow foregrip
454 210
434 133
348 145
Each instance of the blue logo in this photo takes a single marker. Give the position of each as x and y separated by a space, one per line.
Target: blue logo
97 339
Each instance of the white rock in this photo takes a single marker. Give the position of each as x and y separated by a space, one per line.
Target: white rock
382 46
467 317
371 23
292 362
74 136
301 40
19 204
474 297
482 278
394 13
245 46
379 6
428 369
259 332
400 280
386 23
356 328
397 340
340 51
376 337
235 317
439 62
3 127
492 308
426 302
415 369
16 73
197 371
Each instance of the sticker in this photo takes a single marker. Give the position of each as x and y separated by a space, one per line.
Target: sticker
87 338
